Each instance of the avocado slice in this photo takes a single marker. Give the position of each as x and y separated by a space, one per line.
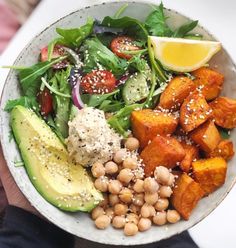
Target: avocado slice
60 181
135 89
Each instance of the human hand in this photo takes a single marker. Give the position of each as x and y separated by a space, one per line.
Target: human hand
13 194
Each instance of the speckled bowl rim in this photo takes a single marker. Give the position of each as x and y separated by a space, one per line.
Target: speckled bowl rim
4 146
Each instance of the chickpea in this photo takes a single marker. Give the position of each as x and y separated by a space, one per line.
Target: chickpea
162 204
151 198
152 211
134 209
101 183
130 163
150 185
110 212
138 199
132 144
144 224
125 176
165 191
131 217
171 180
130 229
98 211
105 201
120 209
102 222
120 156
138 186
111 167
126 195
113 199
98 169
114 187
147 211
173 216
162 175
118 222
160 218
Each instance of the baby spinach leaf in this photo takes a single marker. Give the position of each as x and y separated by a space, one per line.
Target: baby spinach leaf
99 56
75 36
29 77
133 26
185 29
156 23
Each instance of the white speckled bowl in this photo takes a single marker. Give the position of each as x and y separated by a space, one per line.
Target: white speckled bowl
80 224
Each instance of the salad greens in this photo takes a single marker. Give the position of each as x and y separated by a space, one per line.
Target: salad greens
62 104
156 23
96 55
74 37
59 83
29 77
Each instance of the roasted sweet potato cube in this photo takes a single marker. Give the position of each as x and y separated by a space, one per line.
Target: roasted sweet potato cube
175 93
206 136
146 124
211 81
194 111
225 149
186 195
191 153
224 112
165 151
210 173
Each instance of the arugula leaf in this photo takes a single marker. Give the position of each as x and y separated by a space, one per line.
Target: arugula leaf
95 100
28 102
156 23
61 104
74 37
132 26
121 120
99 56
29 77
111 106
138 63
184 29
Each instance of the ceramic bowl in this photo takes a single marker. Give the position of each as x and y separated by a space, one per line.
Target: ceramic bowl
80 224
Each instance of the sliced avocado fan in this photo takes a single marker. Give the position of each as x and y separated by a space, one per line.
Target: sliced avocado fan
60 181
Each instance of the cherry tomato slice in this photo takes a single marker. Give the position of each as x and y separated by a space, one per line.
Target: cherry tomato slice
46 102
121 44
57 52
98 82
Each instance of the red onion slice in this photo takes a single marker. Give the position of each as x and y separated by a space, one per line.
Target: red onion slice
76 95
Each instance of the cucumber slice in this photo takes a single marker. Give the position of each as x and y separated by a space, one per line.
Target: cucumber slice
135 89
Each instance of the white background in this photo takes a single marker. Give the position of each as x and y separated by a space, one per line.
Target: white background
219 17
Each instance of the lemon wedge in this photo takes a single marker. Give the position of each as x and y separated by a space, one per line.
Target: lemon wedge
183 55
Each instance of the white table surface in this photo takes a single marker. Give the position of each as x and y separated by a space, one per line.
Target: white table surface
219 17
